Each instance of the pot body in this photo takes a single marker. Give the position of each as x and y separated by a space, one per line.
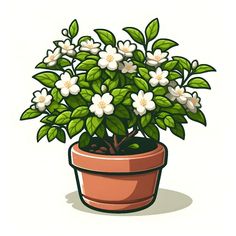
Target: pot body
121 183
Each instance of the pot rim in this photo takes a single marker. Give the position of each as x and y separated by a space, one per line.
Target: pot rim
147 161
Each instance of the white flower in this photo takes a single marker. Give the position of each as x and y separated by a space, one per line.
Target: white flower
52 57
158 77
179 94
193 103
67 48
102 104
67 85
143 102
126 48
157 58
41 99
90 46
194 64
103 88
127 67
109 58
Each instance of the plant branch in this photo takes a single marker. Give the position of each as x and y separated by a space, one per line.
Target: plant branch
111 149
130 135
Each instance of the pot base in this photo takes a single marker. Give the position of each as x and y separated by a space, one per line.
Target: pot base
119 207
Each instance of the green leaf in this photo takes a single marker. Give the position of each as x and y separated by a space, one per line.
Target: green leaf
159 91
135 34
175 109
63 62
134 146
122 112
75 126
180 119
111 84
163 44
30 114
61 136
49 119
161 123
162 101
146 119
169 121
55 106
94 73
63 118
198 117
152 30
84 140
111 74
178 130
152 132
198 82
173 75
75 101
82 55
144 73
163 114
141 84
47 78
92 124
94 57
73 28
101 131
42 132
138 56
56 95
118 95
52 133
170 65
86 65
83 84
86 94
79 112
115 125
106 37
96 85
84 38
132 120
183 62
203 68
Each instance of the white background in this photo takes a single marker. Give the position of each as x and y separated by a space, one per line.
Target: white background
36 178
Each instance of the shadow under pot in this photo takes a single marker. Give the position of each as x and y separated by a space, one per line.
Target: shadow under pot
118 183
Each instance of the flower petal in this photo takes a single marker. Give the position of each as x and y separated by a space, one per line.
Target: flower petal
164 81
99 112
59 84
152 63
65 92
150 106
108 109
92 108
118 57
107 98
112 65
153 82
96 98
103 63
74 89
148 96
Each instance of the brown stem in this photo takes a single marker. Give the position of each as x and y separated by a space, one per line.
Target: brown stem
130 135
116 144
111 149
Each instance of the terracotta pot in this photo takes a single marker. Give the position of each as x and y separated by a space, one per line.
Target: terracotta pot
118 183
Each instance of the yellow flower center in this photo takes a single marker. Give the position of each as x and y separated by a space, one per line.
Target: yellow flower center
67 84
110 58
51 57
159 77
90 46
41 99
66 47
102 104
125 49
143 102
157 58
180 92
194 101
128 66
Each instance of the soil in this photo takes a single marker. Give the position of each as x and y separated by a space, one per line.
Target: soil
98 146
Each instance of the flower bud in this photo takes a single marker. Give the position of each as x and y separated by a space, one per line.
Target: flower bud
65 32
194 64
104 88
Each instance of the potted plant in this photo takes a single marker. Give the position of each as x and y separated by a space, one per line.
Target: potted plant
116 96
